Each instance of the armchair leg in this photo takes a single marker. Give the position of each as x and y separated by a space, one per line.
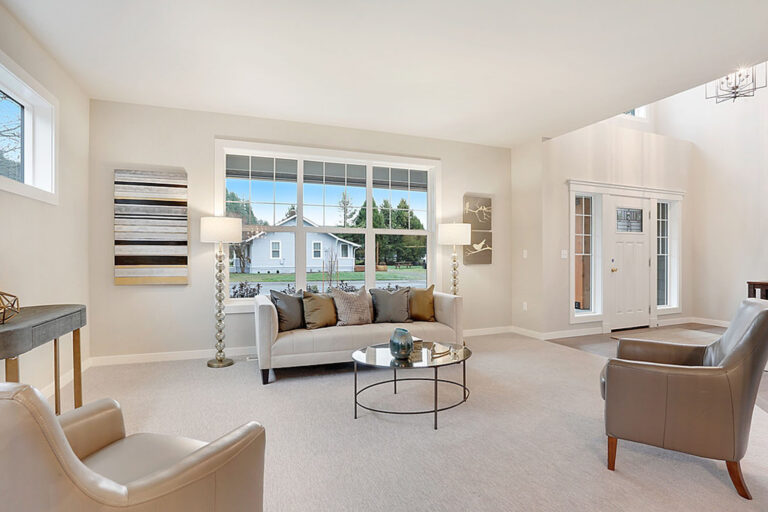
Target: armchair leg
734 470
265 376
612 442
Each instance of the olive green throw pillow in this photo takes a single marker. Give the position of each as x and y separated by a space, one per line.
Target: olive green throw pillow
319 310
421 303
390 306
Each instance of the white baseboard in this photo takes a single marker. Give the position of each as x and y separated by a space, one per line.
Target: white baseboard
503 329
663 322
154 357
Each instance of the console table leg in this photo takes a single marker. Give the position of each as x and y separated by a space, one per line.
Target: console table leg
77 369
12 369
56 377
435 397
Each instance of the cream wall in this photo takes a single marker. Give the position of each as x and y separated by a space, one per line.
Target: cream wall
44 247
136 319
729 194
606 152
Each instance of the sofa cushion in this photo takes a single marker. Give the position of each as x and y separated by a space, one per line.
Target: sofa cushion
319 310
421 304
290 310
353 337
351 308
390 306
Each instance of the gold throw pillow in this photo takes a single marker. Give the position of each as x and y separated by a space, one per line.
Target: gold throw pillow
319 310
421 303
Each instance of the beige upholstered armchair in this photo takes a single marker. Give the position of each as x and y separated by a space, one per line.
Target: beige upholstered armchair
689 398
83 461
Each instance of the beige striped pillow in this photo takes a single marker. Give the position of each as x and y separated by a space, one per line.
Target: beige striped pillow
352 308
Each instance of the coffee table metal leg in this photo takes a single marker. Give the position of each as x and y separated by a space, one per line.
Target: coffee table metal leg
464 379
355 389
395 379
435 397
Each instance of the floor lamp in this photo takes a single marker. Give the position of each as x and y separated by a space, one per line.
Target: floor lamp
454 234
220 230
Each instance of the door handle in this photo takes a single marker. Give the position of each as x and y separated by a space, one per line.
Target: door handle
614 269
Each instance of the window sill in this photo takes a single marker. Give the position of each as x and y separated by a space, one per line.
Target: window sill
668 310
584 318
29 191
238 306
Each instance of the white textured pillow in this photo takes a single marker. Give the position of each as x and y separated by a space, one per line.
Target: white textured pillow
352 308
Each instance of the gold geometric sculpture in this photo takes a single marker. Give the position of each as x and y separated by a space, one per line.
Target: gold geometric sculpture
9 306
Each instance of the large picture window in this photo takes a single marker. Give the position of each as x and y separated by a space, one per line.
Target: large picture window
314 214
11 138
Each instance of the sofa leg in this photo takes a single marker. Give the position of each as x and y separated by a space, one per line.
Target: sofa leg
612 442
734 470
265 376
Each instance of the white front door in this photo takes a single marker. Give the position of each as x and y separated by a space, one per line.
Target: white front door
628 224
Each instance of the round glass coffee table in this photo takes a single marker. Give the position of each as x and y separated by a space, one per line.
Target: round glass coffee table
431 355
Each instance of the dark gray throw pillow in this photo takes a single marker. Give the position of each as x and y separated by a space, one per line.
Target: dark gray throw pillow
290 310
390 306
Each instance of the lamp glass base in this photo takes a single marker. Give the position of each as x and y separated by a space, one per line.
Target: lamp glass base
215 363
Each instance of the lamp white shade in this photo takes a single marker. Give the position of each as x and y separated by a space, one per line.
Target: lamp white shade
221 229
454 234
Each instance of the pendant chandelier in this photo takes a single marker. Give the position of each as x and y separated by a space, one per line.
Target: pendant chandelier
742 83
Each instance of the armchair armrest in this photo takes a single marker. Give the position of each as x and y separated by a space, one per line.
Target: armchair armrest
660 352
449 310
93 426
683 408
236 458
265 316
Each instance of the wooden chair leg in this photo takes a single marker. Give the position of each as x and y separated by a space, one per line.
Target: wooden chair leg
612 442
734 470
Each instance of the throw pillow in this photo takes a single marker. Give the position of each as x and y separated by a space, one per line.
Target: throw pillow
290 310
319 310
351 308
390 306
421 303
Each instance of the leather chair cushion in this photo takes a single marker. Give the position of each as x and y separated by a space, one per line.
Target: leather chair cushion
139 455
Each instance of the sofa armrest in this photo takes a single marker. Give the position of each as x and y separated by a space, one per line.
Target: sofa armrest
236 460
449 310
93 426
660 352
265 316
683 408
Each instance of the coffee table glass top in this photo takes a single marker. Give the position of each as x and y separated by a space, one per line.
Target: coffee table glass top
429 356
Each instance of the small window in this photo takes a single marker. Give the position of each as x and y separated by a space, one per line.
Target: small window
344 250
638 112
662 255
317 250
583 255
276 250
11 138
629 220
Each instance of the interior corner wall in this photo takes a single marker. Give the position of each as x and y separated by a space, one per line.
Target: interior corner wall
149 319
44 247
605 152
729 193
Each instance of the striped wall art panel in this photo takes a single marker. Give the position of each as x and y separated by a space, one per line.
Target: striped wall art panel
151 227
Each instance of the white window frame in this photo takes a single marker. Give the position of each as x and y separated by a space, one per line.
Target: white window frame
341 250
40 128
674 275
314 242
279 249
596 313
435 258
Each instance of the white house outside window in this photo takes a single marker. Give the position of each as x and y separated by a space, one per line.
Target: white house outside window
342 219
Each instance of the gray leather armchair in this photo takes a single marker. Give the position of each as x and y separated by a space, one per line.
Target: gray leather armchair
83 461
692 399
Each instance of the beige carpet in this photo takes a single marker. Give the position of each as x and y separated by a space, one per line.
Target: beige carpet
529 438
671 335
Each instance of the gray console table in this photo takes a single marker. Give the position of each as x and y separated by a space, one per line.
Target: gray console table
37 325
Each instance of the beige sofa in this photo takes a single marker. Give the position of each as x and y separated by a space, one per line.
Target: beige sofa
82 461
303 347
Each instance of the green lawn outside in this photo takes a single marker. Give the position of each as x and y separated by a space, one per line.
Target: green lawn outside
393 274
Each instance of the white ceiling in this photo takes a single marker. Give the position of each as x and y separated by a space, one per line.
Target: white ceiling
492 72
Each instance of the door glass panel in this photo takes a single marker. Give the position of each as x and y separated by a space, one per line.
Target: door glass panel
629 220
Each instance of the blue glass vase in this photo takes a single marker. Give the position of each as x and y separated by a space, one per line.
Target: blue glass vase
401 343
